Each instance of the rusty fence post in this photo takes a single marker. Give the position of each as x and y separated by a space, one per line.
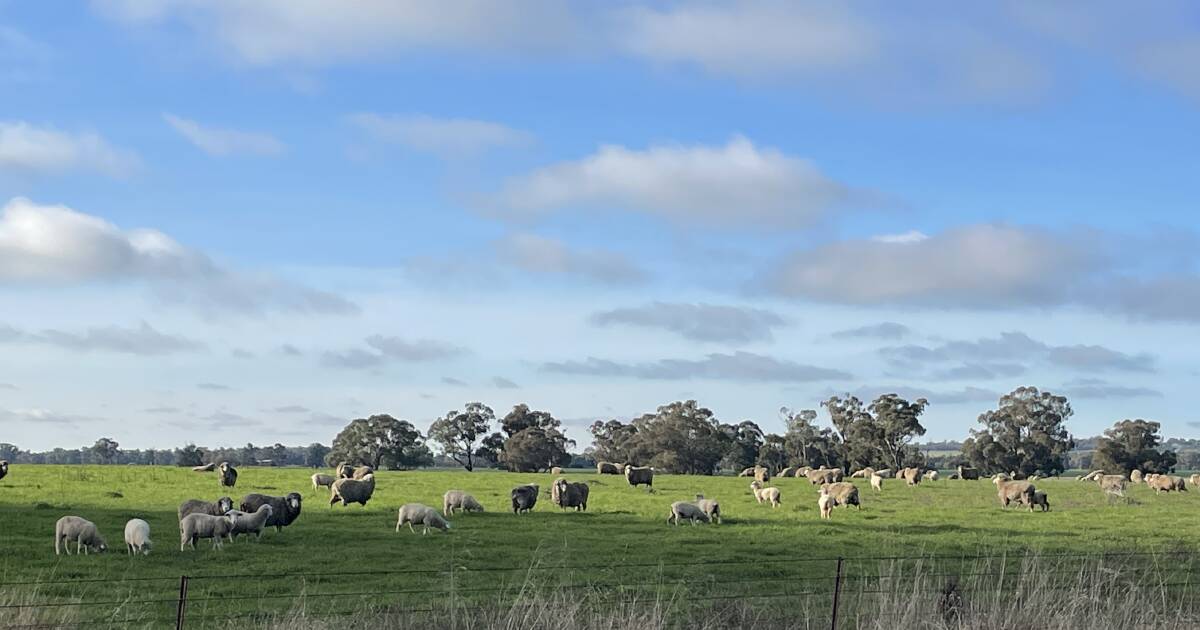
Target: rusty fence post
837 594
181 607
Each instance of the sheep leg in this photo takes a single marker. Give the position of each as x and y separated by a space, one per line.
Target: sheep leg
410 527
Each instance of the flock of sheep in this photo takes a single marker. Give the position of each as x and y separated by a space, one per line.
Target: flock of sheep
220 521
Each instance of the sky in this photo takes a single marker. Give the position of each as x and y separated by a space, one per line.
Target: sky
225 222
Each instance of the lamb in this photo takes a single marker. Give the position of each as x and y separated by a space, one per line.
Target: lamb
765 494
361 472
196 526
566 494
209 467
825 503
137 537
1019 491
322 481
416 513
608 468
197 506
227 475
710 508
877 482
1040 499
352 491
931 475
524 498
457 499
284 510
344 471
639 476
250 523
761 474
682 510
1112 485
911 476
844 493
79 530
862 473
3 468
965 472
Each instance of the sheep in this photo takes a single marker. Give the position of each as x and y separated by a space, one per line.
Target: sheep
639 476
965 472
710 507
803 471
344 471
197 506
931 475
1160 483
250 522
877 482
227 475
765 494
1112 485
209 467
825 504
1092 476
1135 476
843 492
322 481
682 510
1001 477
1040 499
3 468
416 513
747 472
284 510
886 473
361 472
1019 491
608 468
137 537
824 475
556 470
524 498
911 475
80 530
1180 484
1033 478
790 471
565 494
196 526
1194 479
761 473
457 499
352 491
862 473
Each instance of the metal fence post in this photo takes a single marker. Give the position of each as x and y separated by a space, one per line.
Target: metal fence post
837 594
181 607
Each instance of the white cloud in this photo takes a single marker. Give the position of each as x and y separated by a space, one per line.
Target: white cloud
911 236
736 367
219 141
738 184
447 137
386 349
25 147
143 340
538 254
58 245
698 322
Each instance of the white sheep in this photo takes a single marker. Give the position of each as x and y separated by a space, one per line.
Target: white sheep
682 510
765 494
80 530
459 500
196 526
322 481
877 482
931 475
137 537
709 507
250 522
825 503
416 513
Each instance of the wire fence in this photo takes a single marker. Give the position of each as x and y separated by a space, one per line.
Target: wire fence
833 592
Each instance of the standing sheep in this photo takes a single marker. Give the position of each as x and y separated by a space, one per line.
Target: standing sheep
765 494
639 476
79 530
556 470
876 482
524 498
1040 499
608 468
459 500
322 481
344 471
284 510
416 513
3 468
250 523
931 475
825 503
227 475
137 537
352 491
196 526
198 506
565 494
762 474
1135 476
1161 483
965 473
790 471
710 507
1194 479
886 473
862 473
1112 485
1019 491
911 476
361 472
844 493
682 510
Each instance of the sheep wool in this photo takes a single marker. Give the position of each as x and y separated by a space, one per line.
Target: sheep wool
682 510
199 506
284 510
137 537
322 481
426 516
524 498
459 500
79 530
639 476
196 526
352 491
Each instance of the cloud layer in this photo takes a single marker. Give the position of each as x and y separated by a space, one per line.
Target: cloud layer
737 367
698 322
219 141
26 147
143 340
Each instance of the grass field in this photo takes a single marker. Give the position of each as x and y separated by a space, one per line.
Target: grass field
495 550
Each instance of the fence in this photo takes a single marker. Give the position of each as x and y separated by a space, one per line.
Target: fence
835 593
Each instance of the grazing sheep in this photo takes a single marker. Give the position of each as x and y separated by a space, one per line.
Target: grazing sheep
352 491
1001 477
803 471
196 526
3 468
423 514
825 503
209 467
361 472
1112 485
639 476
459 500
710 507
137 537
931 475
765 494
80 531
844 492
322 481
1135 476
556 470
762 474
965 472
566 494
344 471
790 471
524 498
1040 499
1019 491
862 473
1092 476
1160 483
608 468
250 522
886 473
227 475
284 510
824 475
747 472
682 510
877 482
197 506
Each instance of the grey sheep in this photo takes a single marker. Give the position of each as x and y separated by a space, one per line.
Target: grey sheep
790 471
965 472
1019 491
197 506
196 526
886 473
682 510
361 472
710 508
459 500
79 530
352 491
1040 499
566 494
322 481
250 522
344 471
524 498
608 468
765 494
844 493
227 475
137 537
423 514
639 476
284 510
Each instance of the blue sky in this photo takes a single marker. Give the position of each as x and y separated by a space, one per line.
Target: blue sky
226 222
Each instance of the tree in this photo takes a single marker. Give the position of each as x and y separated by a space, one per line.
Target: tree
746 439
189 455
898 426
380 441
773 453
105 449
1027 434
314 455
861 435
458 432
9 452
681 437
1133 444
534 441
613 440
807 445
